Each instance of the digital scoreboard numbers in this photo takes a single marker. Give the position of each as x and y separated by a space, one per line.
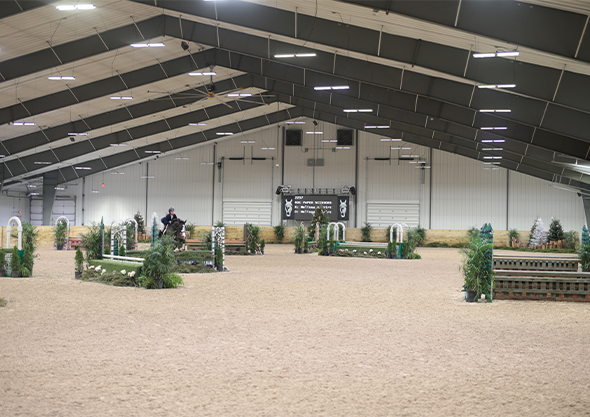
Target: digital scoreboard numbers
302 207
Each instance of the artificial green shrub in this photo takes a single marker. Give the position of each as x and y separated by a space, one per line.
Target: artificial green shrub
279 233
159 260
15 260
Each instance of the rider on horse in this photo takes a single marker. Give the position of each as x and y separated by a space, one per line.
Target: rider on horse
169 218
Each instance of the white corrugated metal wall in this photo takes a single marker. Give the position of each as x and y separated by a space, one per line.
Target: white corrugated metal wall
463 193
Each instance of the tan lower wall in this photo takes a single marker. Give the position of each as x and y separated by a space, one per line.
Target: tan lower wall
46 235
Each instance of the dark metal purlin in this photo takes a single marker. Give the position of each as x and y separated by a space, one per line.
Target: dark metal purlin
414 85
423 136
80 49
119 115
439 57
102 88
69 152
391 106
508 21
123 158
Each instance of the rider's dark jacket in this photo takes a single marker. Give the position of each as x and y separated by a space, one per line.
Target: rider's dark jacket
169 218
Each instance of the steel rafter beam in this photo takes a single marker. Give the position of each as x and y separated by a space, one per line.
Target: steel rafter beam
124 158
119 115
77 50
101 88
27 164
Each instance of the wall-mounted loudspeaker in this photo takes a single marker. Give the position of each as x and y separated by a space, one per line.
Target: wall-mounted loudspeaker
344 137
293 137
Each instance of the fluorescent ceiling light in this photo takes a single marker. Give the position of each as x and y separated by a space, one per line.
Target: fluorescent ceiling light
294 55
329 141
493 141
95 191
118 144
153 151
492 157
194 74
77 134
314 133
239 95
197 124
495 54
376 127
485 55
182 158
148 177
66 7
30 194
43 163
207 163
494 128
497 86
342 147
247 141
493 168
84 168
396 148
117 173
60 188
295 123
224 133
492 149
54 78
148 45
357 110
31 186
495 111
23 124
121 98
390 140
510 53
268 149
336 87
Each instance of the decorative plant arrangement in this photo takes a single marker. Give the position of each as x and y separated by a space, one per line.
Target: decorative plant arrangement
473 231
92 242
15 263
79 259
158 262
26 268
584 256
391 250
140 222
555 231
262 246
421 235
321 217
299 238
2 263
477 268
219 258
366 232
252 238
538 236
60 234
279 233
513 238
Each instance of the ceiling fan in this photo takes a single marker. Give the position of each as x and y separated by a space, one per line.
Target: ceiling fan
210 93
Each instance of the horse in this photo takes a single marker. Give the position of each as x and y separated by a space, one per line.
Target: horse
177 230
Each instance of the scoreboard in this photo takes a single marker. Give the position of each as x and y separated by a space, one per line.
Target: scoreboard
301 207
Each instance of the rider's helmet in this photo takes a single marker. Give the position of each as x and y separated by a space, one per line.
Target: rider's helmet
171 209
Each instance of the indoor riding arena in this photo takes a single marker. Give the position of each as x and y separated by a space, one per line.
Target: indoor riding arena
304 207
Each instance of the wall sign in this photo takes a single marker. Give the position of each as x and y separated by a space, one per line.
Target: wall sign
301 207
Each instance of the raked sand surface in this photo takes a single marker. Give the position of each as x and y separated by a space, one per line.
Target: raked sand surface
288 335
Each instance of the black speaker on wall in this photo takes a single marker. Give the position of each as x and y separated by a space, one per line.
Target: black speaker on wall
293 137
345 137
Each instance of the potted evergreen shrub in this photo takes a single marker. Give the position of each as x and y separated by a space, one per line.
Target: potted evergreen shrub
298 238
79 258
366 232
159 261
279 233
27 263
15 263
477 269
584 256
391 250
60 234
219 258
512 234
2 263
262 245
421 235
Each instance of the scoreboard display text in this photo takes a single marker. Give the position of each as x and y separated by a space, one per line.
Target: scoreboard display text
302 207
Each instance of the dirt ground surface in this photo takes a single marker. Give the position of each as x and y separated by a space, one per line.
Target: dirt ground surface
288 335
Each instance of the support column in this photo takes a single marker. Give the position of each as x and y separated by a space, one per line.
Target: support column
586 202
49 184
